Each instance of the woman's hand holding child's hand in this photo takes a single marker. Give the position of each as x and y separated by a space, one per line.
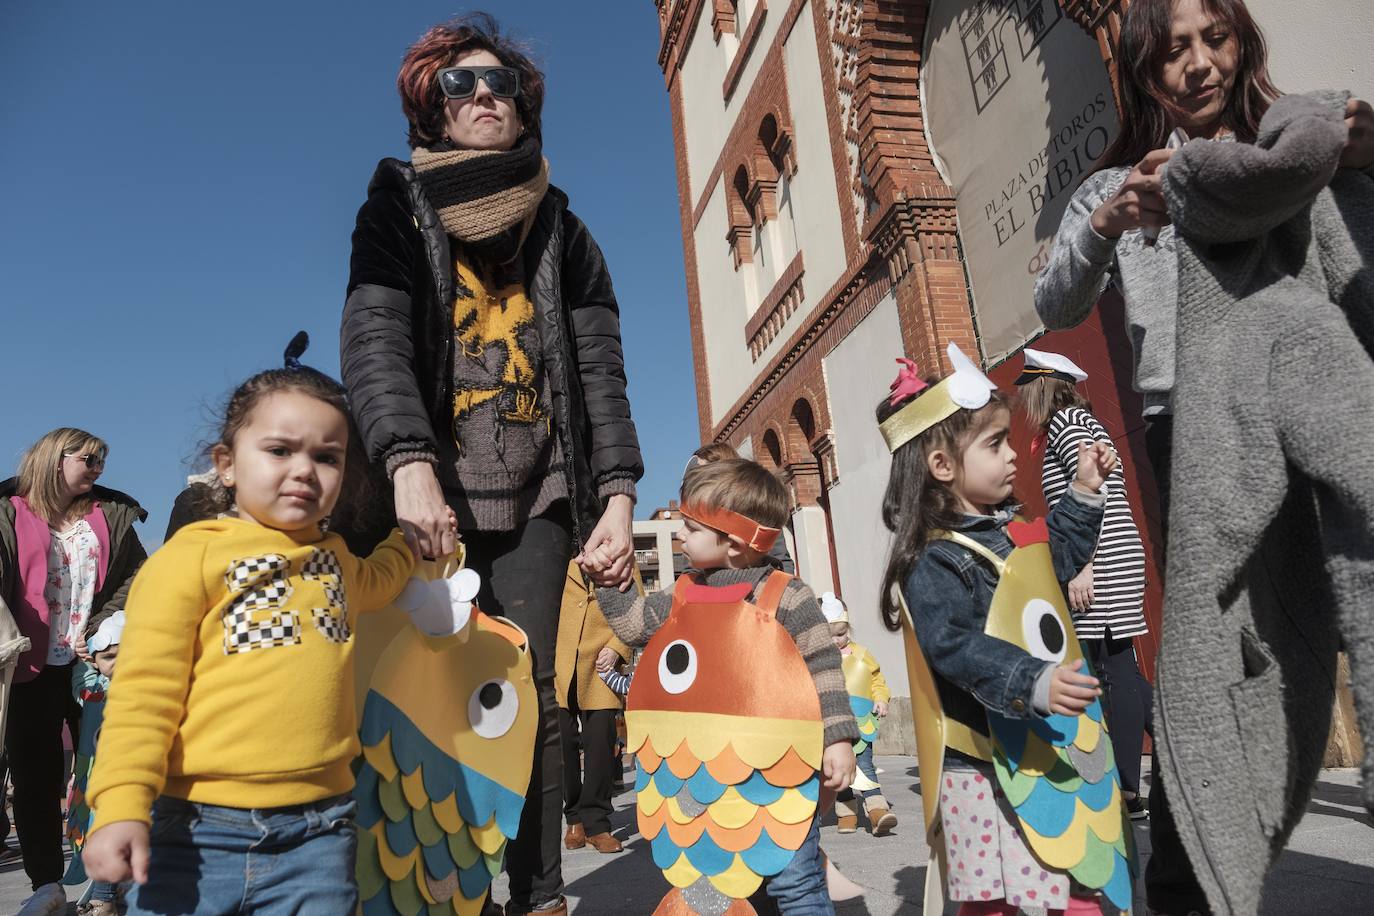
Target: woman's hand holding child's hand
1071 692
117 852
1096 462
606 659
837 766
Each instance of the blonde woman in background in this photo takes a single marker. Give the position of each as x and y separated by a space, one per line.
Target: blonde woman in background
68 553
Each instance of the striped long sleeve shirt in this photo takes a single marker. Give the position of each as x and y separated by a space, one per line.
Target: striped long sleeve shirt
636 619
1119 563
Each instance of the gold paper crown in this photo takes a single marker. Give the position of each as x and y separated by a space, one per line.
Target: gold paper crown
967 388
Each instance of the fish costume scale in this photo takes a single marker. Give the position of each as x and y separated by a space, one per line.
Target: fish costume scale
440 785
858 680
728 774
1057 772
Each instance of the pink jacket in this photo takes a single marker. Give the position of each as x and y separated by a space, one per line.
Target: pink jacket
32 538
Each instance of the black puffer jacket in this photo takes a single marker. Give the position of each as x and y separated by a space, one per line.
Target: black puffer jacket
397 335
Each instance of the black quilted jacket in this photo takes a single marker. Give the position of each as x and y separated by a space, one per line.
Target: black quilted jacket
397 335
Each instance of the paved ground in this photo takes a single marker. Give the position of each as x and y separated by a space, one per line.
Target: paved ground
1328 867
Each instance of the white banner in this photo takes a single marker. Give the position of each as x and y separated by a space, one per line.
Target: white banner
1017 106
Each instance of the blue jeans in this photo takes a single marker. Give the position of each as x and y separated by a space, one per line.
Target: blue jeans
799 889
103 890
212 861
865 762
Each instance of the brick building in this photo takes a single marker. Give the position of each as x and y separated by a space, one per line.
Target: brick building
832 166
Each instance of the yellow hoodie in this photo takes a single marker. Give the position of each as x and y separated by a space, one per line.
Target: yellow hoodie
236 670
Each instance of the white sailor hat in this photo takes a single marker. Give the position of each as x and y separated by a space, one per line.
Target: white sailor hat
108 633
1040 364
833 609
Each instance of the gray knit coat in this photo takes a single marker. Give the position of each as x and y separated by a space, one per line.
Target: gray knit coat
1271 553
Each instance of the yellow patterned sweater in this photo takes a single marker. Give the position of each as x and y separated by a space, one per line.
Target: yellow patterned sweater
236 670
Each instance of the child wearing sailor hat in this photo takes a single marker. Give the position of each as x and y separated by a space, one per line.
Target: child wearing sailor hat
1108 597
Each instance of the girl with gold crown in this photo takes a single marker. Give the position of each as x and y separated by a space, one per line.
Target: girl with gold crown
1022 801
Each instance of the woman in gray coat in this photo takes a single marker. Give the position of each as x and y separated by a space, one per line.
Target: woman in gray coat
1199 67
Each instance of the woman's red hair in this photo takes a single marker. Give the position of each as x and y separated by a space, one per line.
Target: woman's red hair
418 82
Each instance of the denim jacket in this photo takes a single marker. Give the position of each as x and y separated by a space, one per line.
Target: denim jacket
949 594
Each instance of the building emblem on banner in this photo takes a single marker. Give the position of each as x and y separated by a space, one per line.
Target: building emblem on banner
983 26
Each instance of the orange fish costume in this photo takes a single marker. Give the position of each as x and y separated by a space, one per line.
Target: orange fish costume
728 775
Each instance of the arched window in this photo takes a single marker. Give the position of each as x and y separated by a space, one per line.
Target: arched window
740 233
772 450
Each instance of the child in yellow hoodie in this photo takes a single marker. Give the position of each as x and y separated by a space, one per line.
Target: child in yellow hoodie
223 778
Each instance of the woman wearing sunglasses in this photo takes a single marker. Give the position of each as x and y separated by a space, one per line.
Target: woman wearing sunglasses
68 553
481 352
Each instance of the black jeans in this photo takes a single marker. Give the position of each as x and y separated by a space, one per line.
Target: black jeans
523 573
1170 885
33 743
588 777
1127 699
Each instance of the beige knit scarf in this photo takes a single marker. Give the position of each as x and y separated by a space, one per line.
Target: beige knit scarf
487 199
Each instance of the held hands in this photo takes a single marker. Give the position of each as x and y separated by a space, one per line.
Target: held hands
1081 593
1096 461
1138 203
1359 143
608 558
79 647
1071 691
424 516
117 852
880 709
606 659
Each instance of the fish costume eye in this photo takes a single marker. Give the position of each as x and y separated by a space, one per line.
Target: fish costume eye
677 666
492 708
1043 631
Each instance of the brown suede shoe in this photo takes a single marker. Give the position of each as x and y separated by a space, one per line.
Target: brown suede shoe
604 842
881 821
575 838
848 823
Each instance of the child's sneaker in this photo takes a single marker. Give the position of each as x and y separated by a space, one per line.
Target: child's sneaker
880 819
98 908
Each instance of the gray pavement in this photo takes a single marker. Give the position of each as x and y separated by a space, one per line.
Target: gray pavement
1327 868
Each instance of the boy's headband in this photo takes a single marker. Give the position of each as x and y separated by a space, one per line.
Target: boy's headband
736 527
967 388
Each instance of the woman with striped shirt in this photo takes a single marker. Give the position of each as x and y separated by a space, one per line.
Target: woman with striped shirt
1107 598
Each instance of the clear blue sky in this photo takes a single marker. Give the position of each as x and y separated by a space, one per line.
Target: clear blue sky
178 182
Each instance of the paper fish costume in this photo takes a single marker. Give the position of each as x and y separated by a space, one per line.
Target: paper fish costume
448 731
1058 772
727 773
859 668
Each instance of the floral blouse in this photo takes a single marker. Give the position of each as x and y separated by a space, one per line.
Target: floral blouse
73 570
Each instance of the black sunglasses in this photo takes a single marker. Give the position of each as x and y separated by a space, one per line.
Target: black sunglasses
461 82
92 462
